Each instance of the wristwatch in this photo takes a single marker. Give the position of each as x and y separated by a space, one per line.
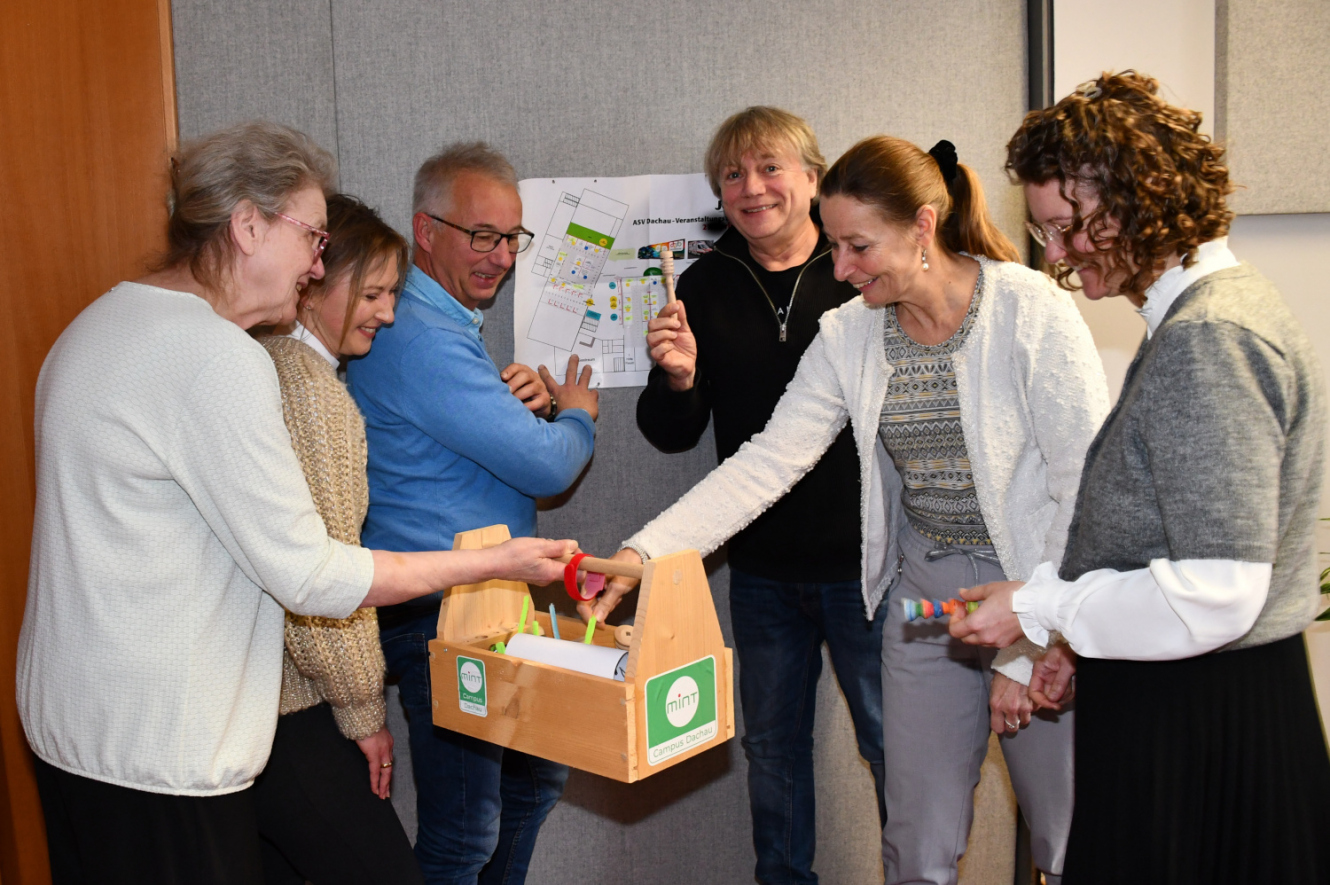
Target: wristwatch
554 408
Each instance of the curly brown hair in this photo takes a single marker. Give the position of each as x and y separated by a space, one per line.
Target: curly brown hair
1154 174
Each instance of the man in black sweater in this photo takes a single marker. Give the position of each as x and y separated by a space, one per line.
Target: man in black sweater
728 348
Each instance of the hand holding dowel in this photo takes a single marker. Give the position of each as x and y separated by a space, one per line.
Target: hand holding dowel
671 345
617 566
583 656
625 568
992 624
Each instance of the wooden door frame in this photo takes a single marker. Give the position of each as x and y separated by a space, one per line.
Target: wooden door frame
89 105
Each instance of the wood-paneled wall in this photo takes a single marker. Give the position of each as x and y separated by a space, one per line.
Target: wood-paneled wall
87 104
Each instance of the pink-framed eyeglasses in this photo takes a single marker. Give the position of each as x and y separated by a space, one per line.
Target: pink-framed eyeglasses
322 235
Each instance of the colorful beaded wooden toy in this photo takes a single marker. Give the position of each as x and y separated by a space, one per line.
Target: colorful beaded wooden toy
934 608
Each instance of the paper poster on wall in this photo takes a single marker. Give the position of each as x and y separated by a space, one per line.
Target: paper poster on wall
590 282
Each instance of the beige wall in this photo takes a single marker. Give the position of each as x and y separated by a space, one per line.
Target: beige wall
1171 40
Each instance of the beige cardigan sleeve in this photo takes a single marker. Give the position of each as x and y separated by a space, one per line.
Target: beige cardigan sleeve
334 660
343 660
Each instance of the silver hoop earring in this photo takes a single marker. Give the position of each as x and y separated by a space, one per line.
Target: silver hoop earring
923 256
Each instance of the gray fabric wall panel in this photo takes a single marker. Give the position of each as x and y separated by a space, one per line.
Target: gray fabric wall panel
1272 101
574 90
255 58
578 89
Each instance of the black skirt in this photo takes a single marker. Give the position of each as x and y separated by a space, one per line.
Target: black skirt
1212 769
317 819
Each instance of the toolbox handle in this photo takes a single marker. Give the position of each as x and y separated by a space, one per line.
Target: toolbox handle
607 566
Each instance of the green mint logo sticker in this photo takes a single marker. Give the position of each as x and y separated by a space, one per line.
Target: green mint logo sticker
471 686
681 709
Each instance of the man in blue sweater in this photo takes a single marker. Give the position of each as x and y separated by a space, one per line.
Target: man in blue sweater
457 444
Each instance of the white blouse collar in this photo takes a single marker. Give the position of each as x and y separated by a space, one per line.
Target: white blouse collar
305 336
1210 257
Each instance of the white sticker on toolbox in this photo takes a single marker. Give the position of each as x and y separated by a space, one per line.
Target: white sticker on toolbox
471 695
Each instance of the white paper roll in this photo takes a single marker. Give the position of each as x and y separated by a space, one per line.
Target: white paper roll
594 659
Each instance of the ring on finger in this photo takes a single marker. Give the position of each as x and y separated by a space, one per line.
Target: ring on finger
1012 726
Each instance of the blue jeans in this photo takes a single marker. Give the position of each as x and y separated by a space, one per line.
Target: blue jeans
779 628
479 806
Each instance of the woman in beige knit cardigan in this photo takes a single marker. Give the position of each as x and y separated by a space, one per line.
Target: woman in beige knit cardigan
318 818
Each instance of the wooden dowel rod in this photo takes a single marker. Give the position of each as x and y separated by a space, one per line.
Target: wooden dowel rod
667 271
607 566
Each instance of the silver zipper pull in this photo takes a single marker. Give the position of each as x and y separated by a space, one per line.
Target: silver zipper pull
782 331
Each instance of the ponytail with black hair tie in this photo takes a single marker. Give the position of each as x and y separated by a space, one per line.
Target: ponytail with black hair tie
944 152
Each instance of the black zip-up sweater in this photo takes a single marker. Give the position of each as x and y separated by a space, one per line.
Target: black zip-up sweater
812 534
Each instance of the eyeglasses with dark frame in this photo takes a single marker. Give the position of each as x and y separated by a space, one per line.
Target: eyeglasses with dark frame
488 240
1048 232
322 235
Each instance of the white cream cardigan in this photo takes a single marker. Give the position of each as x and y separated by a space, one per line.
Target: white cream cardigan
1032 397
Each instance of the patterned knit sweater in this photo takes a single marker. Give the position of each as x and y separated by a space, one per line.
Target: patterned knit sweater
338 661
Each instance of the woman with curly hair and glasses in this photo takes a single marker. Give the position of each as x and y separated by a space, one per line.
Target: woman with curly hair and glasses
1190 571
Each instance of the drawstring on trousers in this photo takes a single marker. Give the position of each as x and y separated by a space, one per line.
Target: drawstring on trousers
975 556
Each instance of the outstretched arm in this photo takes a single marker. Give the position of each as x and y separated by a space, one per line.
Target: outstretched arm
399 577
806 421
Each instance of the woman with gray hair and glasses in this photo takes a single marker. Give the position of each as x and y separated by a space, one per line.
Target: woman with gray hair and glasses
174 525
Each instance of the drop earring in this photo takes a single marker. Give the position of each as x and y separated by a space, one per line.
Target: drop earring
923 256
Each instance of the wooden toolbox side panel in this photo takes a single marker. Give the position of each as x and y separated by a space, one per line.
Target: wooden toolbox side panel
582 721
675 610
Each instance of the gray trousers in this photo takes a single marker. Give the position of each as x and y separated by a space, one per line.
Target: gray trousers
935 723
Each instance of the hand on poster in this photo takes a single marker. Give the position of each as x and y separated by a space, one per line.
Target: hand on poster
672 345
574 393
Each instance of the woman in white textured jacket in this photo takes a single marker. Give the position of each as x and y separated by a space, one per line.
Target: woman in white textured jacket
174 523
973 389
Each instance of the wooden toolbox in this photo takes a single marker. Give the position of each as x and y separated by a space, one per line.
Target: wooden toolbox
676 700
